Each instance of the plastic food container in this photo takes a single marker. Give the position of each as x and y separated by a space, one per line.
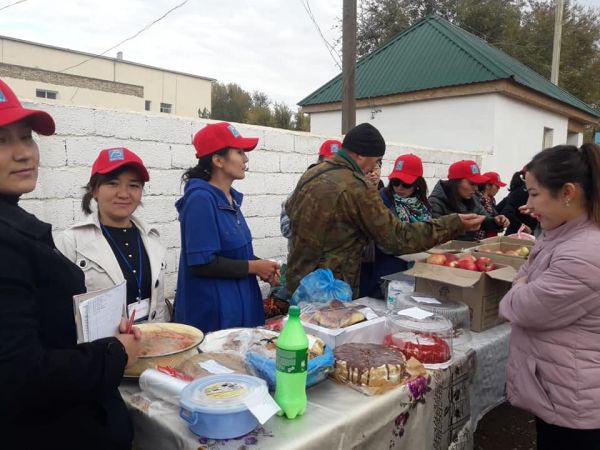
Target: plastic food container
428 339
455 312
214 406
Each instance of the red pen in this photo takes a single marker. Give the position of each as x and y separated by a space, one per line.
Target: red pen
130 323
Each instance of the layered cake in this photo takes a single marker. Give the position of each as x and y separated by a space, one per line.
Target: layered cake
369 365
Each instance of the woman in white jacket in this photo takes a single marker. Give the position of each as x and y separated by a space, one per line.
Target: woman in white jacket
112 245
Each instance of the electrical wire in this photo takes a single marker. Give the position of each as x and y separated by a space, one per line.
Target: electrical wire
12 4
330 48
129 38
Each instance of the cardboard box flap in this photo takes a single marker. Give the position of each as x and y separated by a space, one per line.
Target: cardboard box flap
506 273
455 277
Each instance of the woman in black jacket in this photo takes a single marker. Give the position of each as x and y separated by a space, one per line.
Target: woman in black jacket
54 393
457 195
509 206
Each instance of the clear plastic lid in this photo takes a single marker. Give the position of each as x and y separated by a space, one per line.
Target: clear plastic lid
222 394
409 319
457 313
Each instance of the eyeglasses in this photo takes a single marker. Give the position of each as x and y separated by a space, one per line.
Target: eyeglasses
396 182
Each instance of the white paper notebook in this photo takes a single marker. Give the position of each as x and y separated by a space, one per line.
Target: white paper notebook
98 313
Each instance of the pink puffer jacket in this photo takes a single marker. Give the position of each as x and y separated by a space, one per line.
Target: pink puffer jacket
554 362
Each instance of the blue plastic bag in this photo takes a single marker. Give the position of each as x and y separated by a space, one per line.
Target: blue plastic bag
321 286
318 368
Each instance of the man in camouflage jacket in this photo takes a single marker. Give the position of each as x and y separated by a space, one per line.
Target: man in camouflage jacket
334 213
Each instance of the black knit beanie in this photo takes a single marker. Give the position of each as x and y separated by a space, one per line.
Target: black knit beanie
365 140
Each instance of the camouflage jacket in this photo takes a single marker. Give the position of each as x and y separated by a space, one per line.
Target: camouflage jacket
334 214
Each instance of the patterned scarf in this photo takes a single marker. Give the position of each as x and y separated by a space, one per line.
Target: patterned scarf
411 209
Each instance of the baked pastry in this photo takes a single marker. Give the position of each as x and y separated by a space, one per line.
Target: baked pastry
369 365
244 340
194 366
335 315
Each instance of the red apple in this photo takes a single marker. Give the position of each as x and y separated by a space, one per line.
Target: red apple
437 259
467 257
484 264
466 264
451 263
450 257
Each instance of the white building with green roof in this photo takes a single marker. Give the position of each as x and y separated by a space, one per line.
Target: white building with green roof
436 85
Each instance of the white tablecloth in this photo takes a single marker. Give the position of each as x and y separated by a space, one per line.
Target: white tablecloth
340 417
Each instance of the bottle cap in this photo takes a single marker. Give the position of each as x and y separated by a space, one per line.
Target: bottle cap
294 311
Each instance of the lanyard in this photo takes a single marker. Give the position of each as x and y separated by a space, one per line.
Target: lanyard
138 276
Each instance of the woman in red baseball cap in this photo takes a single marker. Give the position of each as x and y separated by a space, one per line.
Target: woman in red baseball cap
216 284
406 196
457 195
113 245
486 194
55 393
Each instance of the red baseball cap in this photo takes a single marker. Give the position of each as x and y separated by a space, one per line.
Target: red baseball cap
494 178
466 169
330 148
111 159
11 111
407 168
216 136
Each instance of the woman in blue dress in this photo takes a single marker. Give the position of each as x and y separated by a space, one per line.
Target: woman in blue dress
217 286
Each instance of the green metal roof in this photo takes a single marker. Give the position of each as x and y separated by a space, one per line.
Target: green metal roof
434 53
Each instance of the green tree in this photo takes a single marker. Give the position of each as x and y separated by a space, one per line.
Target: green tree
282 116
204 113
260 111
230 102
301 121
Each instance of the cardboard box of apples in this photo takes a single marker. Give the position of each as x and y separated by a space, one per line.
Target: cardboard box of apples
478 281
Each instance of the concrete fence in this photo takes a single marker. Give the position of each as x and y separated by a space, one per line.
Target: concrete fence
163 142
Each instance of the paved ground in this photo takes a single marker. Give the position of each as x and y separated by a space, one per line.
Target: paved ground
506 428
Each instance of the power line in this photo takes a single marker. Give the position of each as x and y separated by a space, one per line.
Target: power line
129 38
329 47
12 4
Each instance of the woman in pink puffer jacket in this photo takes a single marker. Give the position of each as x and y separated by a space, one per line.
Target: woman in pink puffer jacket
554 305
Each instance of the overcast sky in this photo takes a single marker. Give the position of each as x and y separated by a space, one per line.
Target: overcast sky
269 45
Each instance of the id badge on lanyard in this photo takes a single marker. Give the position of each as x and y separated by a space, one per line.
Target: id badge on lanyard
141 308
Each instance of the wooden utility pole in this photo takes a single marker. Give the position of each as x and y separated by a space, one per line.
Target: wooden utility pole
349 66
557 37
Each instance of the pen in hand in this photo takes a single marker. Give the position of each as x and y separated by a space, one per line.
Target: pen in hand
130 323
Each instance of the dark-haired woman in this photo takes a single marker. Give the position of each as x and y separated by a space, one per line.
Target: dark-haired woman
216 285
457 195
406 196
553 366
54 393
112 244
509 206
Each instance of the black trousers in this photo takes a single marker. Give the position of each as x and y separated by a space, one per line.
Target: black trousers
553 437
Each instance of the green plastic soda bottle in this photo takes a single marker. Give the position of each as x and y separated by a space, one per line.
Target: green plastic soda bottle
291 362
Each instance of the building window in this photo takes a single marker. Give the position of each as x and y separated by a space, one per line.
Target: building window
165 108
148 104
43 93
548 137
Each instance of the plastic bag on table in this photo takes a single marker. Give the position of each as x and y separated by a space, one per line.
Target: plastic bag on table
318 370
321 286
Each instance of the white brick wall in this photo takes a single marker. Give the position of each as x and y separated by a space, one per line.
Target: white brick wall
164 143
